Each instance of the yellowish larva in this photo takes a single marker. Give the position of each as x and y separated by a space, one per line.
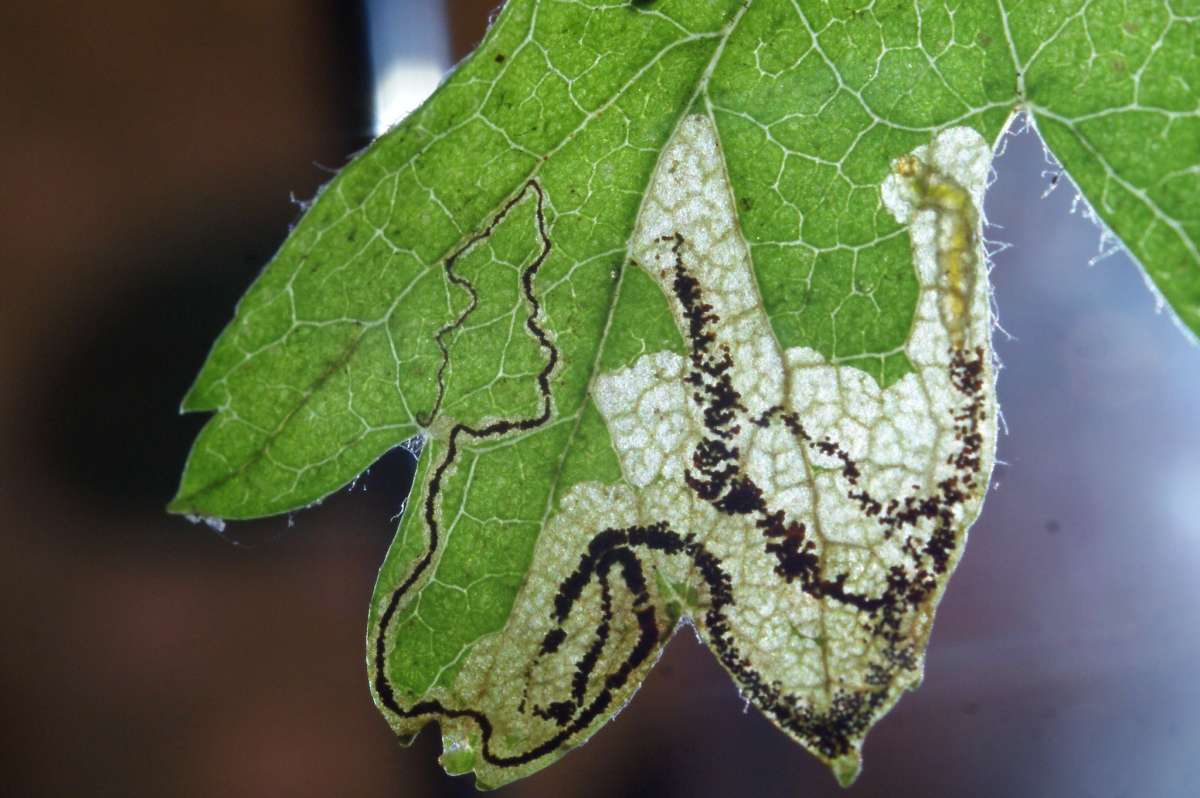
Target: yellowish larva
957 242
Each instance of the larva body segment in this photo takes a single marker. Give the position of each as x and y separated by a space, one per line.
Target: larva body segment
943 181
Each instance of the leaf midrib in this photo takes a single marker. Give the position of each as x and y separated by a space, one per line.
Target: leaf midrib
613 297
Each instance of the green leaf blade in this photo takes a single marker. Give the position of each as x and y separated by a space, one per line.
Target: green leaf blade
1113 90
687 304
277 385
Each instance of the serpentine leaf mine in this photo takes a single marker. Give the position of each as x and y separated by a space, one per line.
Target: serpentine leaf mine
801 517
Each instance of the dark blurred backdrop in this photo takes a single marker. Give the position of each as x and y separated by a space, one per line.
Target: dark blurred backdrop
152 151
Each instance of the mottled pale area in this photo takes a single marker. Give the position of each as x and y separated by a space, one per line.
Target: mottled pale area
901 438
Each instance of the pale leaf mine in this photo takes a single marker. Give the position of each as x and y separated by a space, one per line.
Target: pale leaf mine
802 519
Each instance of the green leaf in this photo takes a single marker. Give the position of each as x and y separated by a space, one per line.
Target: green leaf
687 303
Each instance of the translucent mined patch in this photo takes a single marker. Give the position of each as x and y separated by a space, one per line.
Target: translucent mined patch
806 645
802 518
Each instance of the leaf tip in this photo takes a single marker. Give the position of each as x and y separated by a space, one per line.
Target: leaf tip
846 767
457 757
180 505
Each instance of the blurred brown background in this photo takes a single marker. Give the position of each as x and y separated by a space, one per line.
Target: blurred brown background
151 150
